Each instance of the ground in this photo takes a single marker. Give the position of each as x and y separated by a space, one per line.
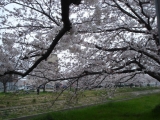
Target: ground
15 105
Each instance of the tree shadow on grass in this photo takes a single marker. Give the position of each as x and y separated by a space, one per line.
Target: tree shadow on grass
156 112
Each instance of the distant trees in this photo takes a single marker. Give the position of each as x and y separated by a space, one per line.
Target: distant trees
6 79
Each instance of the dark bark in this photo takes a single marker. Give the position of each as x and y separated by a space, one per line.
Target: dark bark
65 12
44 88
4 87
37 90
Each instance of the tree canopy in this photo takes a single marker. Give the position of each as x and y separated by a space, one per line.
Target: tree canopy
108 37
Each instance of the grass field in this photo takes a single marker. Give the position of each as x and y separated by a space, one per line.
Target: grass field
13 105
144 108
20 99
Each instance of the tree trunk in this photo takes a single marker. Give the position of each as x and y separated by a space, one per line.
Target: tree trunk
37 90
4 87
44 88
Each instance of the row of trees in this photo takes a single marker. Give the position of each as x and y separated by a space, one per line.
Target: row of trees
108 37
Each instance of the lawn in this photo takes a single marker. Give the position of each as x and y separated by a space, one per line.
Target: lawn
21 98
143 108
13 105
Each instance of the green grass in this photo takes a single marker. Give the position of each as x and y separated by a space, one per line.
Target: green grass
127 89
34 104
144 108
19 99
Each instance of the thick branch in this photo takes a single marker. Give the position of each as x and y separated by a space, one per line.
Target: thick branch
50 49
152 56
83 74
142 10
124 11
126 64
44 57
140 18
128 71
36 55
153 74
112 49
116 29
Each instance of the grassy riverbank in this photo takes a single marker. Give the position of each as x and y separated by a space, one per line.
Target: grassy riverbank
22 99
143 108
13 105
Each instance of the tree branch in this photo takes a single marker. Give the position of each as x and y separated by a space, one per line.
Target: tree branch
42 12
139 17
152 56
50 49
44 57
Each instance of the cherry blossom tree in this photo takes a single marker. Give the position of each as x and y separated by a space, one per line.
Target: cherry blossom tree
6 79
134 40
108 38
